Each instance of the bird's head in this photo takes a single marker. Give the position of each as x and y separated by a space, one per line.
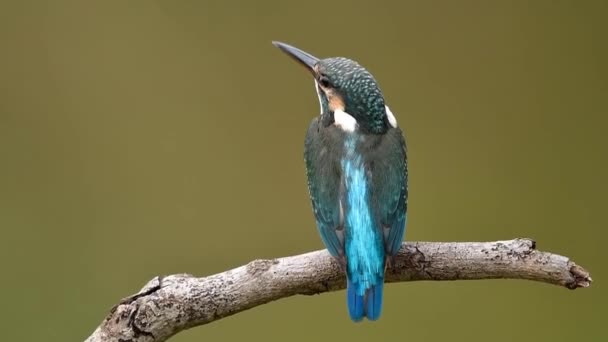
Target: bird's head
347 92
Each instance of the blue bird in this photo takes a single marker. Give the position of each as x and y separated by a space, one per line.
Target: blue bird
356 165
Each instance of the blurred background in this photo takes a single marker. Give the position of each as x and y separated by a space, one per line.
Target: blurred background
140 138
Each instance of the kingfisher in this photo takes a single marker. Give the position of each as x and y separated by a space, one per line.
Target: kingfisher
356 166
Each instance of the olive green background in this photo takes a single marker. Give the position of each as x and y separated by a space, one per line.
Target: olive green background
140 138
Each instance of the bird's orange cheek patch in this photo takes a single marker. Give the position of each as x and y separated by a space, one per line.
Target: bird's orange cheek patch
335 101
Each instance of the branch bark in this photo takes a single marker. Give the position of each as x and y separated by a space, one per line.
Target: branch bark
170 304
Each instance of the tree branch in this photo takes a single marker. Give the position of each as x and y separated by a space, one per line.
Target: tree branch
168 305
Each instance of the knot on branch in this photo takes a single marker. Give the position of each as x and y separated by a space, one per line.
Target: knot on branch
260 266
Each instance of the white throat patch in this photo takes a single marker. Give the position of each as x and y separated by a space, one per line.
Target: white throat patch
345 121
391 117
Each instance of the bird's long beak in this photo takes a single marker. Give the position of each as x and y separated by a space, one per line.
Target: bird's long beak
304 58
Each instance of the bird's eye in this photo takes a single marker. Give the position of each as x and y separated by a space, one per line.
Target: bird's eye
324 81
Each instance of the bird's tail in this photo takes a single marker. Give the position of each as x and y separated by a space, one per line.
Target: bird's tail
367 305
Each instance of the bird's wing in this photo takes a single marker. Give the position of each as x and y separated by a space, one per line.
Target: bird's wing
324 186
390 191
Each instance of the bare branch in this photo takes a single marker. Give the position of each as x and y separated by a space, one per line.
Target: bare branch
168 305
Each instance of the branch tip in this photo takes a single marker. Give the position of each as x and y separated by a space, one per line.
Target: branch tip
581 278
